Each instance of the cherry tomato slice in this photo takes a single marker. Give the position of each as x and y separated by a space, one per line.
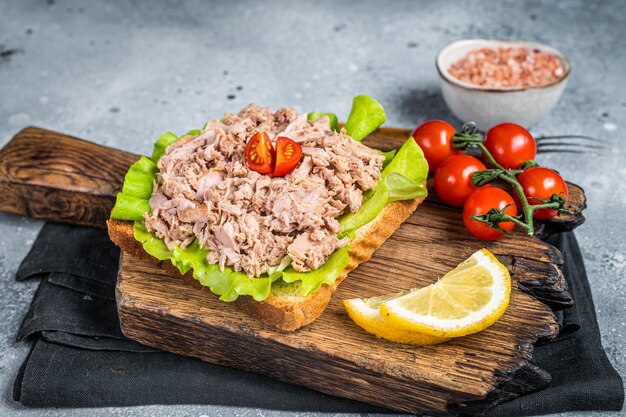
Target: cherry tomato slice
435 139
480 202
541 183
510 144
453 179
288 155
260 153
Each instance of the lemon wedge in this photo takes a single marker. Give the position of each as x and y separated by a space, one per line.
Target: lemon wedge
366 314
468 299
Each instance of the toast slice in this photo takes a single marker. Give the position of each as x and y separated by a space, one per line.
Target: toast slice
285 308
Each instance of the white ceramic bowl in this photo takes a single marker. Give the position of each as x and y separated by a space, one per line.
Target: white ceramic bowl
488 106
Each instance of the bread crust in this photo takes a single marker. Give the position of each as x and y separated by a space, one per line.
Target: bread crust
281 313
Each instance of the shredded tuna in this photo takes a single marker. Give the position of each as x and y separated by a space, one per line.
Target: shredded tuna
250 221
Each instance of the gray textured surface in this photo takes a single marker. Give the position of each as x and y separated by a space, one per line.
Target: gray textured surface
120 74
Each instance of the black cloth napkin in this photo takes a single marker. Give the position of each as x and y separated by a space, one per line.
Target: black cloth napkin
80 358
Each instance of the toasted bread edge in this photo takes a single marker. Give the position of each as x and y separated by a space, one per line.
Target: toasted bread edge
281 313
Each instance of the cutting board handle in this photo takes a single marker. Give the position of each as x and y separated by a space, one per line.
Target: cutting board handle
52 176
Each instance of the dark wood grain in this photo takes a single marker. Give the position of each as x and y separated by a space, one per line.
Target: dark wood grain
467 375
533 263
576 204
335 356
52 176
525 380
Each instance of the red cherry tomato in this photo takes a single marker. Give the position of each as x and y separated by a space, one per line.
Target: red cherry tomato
260 153
288 155
435 139
480 202
453 179
510 144
541 183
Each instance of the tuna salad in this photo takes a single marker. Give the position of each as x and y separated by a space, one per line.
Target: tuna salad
205 191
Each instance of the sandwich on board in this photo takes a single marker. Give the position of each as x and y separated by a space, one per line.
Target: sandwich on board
269 210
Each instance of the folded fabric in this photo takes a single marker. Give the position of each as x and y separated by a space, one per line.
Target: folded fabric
56 375
582 376
80 357
55 308
85 286
81 251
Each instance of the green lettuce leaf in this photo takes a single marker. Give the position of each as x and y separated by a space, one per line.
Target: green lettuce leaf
228 284
403 188
332 117
151 244
163 142
325 274
368 211
365 117
406 174
132 202
402 179
129 207
284 263
139 179
388 156
409 161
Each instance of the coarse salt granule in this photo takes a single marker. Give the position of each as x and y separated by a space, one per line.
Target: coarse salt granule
508 67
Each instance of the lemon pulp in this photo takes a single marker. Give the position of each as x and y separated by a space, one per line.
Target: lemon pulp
468 299
366 314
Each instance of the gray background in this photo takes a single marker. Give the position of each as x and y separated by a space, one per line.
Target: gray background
120 73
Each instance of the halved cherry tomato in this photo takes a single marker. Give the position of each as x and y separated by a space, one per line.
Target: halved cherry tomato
480 202
510 145
260 153
541 183
288 155
453 179
435 139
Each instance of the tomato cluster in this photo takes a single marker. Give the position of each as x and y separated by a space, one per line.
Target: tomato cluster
262 158
509 147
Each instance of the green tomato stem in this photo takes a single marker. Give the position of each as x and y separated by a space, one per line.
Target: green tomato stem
517 221
553 206
489 157
470 136
527 208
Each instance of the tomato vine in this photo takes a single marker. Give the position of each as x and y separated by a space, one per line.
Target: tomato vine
470 137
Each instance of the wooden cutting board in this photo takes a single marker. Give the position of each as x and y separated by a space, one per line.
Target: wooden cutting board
48 175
